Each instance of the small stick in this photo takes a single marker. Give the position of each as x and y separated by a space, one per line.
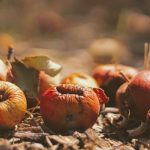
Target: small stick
145 55
124 76
10 52
148 59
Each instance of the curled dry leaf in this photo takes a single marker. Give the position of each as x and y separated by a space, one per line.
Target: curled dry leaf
43 63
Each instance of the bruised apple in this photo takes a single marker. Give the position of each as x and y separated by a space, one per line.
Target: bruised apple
136 95
133 100
109 78
71 107
13 105
81 79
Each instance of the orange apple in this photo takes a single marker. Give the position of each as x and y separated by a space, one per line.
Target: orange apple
80 79
13 105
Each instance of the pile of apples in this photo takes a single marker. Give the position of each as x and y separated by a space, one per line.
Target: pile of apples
35 80
75 102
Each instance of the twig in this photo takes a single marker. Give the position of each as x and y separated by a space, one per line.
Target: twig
124 76
10 52
146 56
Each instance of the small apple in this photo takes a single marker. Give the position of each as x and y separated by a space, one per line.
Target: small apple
13 105
71 107
81 79
45 81
109 78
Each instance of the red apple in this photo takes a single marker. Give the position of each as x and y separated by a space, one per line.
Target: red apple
71 107
109 78
135 96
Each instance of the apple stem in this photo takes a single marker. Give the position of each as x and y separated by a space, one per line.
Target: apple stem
124 76
10 52
146 56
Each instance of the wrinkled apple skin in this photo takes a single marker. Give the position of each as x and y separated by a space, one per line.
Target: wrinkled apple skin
70 107
139 90
13 105
109 78
80 79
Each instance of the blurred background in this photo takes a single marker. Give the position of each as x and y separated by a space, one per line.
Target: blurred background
76 33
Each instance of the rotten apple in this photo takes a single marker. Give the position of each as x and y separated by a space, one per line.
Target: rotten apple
109 78
13 105
133 100
71 107
81 79
135 96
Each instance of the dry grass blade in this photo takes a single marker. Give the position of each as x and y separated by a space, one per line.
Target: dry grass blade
146 56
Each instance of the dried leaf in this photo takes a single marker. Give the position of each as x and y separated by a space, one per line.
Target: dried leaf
26 78
43 63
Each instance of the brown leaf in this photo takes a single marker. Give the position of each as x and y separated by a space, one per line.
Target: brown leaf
26 78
